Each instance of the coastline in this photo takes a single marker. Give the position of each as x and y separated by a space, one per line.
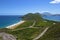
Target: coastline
13 26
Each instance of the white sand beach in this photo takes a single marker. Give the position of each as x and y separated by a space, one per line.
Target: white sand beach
15 25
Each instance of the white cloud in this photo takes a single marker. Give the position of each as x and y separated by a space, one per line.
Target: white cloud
55 2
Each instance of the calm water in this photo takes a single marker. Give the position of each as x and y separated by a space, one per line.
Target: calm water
8 20
51 17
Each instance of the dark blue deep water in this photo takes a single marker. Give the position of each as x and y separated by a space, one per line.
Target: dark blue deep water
8 20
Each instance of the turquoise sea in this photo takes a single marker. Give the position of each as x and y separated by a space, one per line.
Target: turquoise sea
9 20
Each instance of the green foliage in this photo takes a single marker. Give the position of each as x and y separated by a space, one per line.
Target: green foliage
25 24
27 34
43 24
31 16
5 30
53 33
0 38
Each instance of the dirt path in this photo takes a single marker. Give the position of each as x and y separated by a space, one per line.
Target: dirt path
41 34
25 28
33 24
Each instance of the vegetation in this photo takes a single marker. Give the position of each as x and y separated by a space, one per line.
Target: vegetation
29 33
31 16
25 24
53 33
0 38
30 19
44 24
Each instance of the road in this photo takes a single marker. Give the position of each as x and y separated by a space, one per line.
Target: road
33 24
41 34
6 36
24 28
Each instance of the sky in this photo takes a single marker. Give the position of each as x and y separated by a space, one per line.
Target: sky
21 7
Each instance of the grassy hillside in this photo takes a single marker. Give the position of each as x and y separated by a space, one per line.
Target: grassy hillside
26 34
44 23
26 31
25 24
53 33
31 16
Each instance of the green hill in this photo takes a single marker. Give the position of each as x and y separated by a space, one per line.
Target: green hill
33 27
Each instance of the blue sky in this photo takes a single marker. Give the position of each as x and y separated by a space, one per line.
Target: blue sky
21 7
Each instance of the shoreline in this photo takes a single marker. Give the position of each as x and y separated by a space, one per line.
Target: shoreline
13 26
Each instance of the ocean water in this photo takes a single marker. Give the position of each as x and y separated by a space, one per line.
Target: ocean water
52 17
9 20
